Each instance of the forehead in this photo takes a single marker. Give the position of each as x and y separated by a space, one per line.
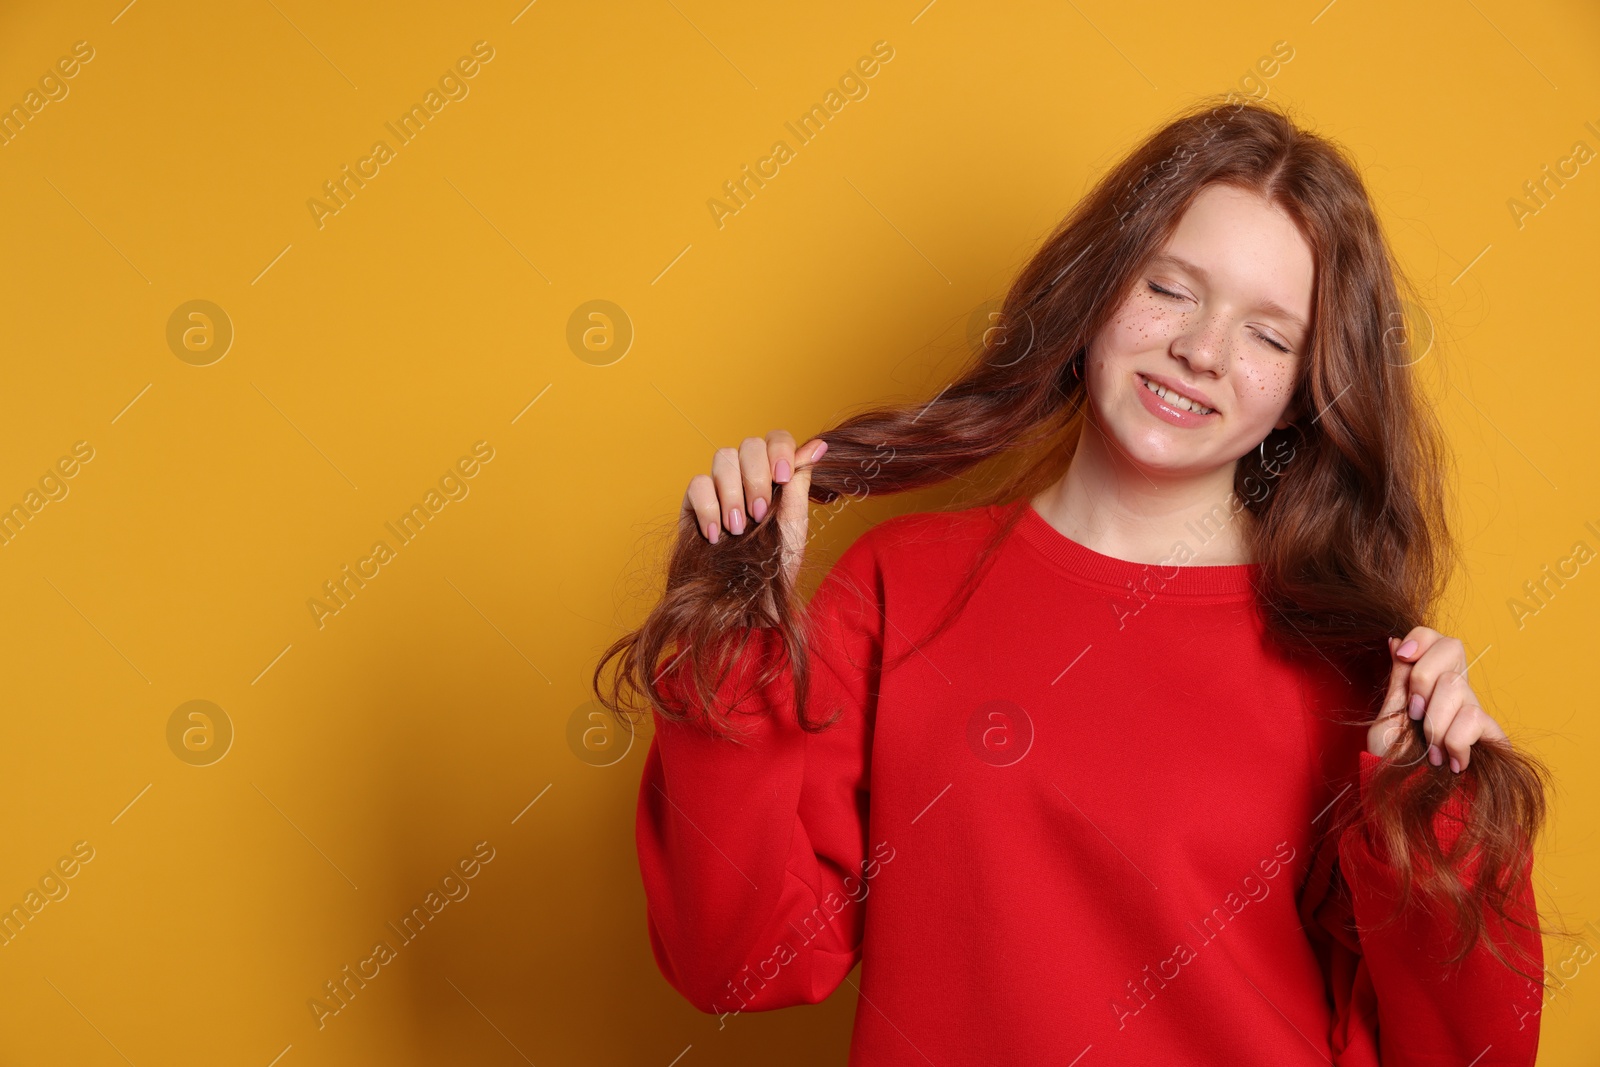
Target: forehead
1246 248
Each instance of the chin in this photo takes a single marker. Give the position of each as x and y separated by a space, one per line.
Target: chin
1168 460
1152 451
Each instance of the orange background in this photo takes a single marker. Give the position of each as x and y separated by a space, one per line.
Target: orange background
365 754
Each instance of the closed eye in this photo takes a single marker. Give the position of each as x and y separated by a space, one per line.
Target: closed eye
1167 292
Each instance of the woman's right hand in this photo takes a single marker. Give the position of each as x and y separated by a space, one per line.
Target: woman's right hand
737 494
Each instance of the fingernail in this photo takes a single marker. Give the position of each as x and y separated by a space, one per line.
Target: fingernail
1407 649
782 474
758 510
735 521
1416 705
823 447
1435 757
711 532
1455 765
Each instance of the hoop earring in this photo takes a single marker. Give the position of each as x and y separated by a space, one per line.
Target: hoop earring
1261 449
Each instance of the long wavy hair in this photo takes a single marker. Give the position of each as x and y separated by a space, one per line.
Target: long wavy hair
1349 513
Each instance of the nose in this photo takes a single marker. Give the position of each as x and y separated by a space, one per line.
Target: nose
1204 343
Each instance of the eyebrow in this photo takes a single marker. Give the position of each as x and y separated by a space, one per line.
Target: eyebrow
1270 306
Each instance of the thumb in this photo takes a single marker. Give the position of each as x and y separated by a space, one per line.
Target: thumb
1394 701
794 505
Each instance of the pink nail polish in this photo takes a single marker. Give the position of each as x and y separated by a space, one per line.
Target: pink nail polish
1407 649
781 475
1416 706
711 532
758 510
1435 757
823 447
735 521
1455 766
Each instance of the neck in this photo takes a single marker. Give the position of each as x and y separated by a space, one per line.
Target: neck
1107 503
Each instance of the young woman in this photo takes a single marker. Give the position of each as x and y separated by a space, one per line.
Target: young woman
1149 758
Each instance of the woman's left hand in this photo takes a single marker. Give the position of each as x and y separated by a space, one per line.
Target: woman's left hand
1429 682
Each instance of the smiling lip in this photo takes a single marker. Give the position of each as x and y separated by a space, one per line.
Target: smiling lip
1179 388
1167 412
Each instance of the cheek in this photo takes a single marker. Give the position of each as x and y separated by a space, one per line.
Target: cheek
1138 326
1265 385
1141 324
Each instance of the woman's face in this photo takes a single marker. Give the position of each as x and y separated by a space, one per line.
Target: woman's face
1200 320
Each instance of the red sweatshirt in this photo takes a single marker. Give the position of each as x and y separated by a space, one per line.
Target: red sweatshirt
1084 825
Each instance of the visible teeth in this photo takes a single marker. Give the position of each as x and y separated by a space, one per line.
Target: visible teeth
1175 399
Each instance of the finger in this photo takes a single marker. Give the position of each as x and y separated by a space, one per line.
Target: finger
1424 752
730 488
1449 652
1384 733
1394 701
1449 694
1391 736
794 509
780 452
1444 656
756 476
701 501
1464 732
1416 642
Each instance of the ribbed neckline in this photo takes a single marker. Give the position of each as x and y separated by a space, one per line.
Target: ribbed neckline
1235 579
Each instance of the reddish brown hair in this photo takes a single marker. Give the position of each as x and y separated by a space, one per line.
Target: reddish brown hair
1349 522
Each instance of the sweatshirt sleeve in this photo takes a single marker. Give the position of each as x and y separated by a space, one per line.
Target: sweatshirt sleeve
1394 1001
754 857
